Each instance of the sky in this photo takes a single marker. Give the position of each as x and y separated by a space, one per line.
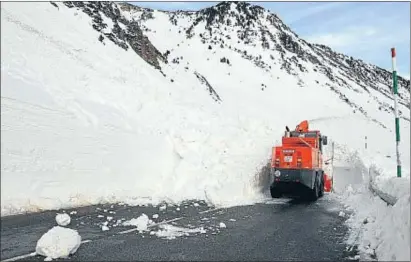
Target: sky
364 30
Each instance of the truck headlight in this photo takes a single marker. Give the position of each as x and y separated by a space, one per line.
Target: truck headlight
277 173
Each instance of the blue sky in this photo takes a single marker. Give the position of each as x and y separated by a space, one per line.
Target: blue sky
364 30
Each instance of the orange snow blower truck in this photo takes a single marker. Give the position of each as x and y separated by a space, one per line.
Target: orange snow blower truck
296 165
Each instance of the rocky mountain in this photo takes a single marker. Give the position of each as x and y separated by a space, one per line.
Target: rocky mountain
254 34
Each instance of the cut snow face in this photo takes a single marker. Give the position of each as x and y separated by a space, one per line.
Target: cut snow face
63 219
58 242
142 222
171 232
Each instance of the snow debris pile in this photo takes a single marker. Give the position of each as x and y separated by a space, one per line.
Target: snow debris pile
168 231
172 232
58 242
104 226
63 219
142 222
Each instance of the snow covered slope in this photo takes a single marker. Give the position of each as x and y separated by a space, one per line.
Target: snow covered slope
105 102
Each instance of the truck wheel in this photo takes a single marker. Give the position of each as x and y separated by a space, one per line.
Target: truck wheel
321 193
314 193
275 193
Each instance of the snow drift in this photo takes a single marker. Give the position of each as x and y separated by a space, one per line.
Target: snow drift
88 115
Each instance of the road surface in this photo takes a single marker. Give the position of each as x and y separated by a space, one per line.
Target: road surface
278 229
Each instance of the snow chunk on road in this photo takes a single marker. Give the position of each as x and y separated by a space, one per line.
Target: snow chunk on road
142 222
155 216
222 225
58 242
171 232
63 219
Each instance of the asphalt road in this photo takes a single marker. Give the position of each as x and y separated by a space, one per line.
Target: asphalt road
279 229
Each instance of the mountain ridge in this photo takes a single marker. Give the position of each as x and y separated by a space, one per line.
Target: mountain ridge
226 4
249 31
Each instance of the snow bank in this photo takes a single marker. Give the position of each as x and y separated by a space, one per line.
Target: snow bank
378 228
396 187
58 242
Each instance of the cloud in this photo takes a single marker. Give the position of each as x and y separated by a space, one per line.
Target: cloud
361 40
317 9
406 76
364 30
355 37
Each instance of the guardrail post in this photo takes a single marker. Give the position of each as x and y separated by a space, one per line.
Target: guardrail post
332 166
397 119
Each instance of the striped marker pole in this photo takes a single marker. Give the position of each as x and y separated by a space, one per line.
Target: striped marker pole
397 119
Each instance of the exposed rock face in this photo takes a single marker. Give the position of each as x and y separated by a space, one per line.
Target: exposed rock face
204 81
124 33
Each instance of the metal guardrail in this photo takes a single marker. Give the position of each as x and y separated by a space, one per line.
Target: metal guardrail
387 198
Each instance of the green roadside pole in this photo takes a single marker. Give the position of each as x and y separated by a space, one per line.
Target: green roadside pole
397 119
